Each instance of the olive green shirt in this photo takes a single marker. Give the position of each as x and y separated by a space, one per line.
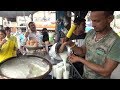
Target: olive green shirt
96 52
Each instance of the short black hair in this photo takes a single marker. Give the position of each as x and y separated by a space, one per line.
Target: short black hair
7 29
78 20
44 29
30 23
3 31
109 13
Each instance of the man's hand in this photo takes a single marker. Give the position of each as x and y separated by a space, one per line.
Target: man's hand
26 34
68 43
3 41
18 52
73 58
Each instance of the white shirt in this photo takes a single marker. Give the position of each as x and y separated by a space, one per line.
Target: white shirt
79 42
37 36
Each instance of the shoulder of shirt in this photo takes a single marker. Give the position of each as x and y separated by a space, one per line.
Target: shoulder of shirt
115 35
91 32
13 36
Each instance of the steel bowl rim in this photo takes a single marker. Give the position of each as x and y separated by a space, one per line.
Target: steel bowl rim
38 77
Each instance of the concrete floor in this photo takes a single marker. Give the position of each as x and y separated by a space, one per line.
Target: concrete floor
116 73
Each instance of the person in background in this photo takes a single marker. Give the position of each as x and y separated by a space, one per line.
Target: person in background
7 47
12 38
78 37
45 40
59 27
32 29
45 36
101 47
22 36
79 34
32 34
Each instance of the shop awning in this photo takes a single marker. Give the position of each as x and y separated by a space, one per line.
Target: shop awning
13 14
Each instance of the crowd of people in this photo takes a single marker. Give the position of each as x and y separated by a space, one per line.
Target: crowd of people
100 48
13 45
95 53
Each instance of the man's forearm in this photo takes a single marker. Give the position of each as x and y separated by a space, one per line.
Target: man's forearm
61 48
104 70
93 66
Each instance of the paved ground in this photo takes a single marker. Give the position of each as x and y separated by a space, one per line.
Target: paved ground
116 73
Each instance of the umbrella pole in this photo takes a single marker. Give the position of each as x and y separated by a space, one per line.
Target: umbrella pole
25 21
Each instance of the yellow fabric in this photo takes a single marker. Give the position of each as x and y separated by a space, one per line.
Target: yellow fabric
8 49
71 31
14 39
